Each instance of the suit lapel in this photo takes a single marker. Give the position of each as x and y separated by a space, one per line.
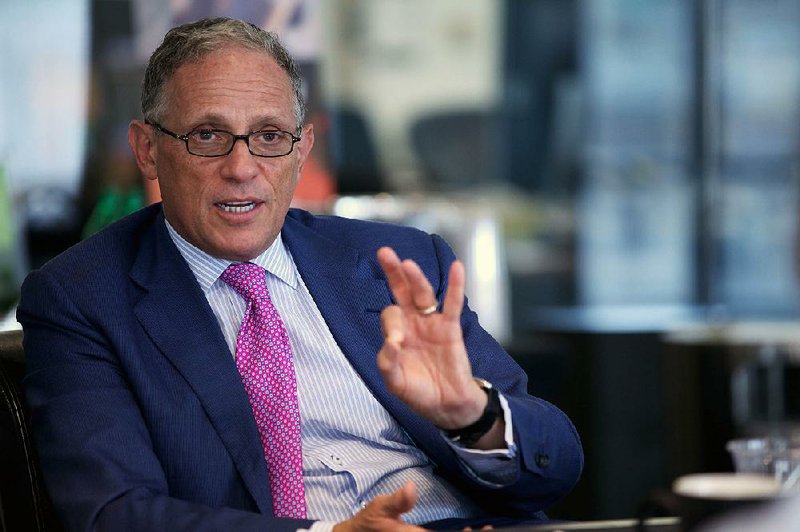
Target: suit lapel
350 291
176 315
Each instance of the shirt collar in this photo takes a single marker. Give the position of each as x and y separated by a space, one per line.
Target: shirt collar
275 259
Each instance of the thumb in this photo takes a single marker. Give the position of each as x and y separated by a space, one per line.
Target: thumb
402 500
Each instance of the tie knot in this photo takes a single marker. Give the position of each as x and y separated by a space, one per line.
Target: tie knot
247 279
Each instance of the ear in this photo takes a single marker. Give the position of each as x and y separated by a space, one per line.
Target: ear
304 146
141 138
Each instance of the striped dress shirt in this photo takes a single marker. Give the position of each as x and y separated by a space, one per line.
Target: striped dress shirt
353 449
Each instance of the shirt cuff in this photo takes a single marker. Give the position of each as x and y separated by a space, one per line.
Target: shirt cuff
493 467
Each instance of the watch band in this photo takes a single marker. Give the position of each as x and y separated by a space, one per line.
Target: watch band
472 433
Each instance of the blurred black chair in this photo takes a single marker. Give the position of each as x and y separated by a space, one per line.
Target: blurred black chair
458 147
24 505
353 156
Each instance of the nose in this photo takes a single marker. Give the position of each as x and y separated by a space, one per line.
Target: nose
239 164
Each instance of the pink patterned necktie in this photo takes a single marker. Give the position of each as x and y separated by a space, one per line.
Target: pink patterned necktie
264 359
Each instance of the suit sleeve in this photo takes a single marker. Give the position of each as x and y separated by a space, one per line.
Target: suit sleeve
94 446
548 446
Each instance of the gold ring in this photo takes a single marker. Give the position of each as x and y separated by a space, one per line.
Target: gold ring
428 311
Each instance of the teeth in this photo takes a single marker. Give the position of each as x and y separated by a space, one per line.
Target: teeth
238 207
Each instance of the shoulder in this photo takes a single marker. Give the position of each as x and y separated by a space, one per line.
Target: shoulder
364 238
367 235
112 249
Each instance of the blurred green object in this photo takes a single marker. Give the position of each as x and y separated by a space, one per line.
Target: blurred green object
9 290
114 203
6 217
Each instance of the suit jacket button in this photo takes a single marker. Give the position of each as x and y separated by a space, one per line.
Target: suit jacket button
542 460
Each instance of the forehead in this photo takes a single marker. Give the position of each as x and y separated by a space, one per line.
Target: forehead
233 82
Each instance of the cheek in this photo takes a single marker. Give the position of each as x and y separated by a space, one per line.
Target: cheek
183 180
283 178
182 196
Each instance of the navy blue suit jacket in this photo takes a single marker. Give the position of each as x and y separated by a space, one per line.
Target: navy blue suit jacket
139 414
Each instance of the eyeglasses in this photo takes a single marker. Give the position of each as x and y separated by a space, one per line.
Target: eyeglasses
219 143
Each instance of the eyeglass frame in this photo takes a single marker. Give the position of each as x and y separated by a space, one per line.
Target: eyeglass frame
245 138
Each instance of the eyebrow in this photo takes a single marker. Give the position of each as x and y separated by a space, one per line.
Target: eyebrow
220 121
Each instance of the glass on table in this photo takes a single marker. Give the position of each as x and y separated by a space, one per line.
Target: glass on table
776 457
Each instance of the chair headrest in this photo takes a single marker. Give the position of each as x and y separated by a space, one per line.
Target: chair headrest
11 346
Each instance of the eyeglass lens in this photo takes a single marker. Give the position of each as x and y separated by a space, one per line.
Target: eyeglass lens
212 142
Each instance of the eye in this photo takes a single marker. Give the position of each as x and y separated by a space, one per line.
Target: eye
205 136
268 137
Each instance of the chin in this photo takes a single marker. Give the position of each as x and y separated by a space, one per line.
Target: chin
241 254
240 247
237 255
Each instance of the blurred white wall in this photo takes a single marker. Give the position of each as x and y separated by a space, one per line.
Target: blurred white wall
44 78
397 59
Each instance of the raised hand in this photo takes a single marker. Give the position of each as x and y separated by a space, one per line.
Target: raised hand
423 359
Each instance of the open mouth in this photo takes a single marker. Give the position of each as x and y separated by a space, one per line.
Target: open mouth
237 206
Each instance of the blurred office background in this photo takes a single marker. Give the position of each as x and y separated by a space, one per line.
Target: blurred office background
620 176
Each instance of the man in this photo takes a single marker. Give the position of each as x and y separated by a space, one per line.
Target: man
174 385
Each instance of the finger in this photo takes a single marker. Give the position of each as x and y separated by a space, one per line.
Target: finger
389 366
384 513
421 289
454 297
396 277
401 501
393 326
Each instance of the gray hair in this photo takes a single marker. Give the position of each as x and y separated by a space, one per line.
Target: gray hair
191 42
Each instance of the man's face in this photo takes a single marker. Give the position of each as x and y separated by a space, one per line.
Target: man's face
231 207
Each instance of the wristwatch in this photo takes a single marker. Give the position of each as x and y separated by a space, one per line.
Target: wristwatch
470 434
